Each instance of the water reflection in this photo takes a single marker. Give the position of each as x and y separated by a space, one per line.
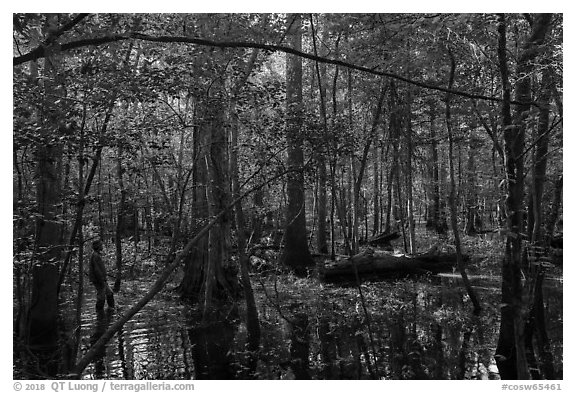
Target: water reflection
212 342
103 318
300 344
414 330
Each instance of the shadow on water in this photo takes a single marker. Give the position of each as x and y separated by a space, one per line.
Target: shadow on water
414 330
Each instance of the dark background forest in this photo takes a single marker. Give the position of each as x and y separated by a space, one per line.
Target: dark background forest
289 196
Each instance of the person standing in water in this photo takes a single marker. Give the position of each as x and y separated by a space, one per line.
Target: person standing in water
97 275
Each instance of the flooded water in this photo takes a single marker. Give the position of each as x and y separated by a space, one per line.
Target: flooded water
408 330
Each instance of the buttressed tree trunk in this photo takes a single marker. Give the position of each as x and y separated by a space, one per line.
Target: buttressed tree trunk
295 254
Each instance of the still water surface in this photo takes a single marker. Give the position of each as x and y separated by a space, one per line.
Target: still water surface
409 330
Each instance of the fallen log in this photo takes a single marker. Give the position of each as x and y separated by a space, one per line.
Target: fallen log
383 240
377 264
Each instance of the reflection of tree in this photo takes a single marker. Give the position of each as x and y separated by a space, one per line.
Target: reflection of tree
327 347
340 343
439 369
122 354
438 332
300 345
188 366
397 339
212 342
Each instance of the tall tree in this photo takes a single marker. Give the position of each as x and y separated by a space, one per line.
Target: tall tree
295 253
511 351
435 219
452 194
540 159
220 275
409 176
363 162
321 238
42 317
252 321
472 216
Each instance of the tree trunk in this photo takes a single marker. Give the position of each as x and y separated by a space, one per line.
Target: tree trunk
363 162
252 321
511 352
409 180
191 285
471 192
541 157
435 217
385 265
80 219
376 191
221 276
120 219
390 197
295 253
554 210
321 238
452 195
42 318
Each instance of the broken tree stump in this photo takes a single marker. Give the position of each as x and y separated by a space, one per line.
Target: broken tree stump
370 263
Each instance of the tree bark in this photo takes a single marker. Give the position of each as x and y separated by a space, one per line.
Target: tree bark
363 162
80 219
376 190
511 351
452 195
471 192
190 287
321 238
43 312
220 275
541 157
252 321
554 210
120 219
435 218
295 253
409 178
385 265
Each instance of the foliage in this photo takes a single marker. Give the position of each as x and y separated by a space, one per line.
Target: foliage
138 112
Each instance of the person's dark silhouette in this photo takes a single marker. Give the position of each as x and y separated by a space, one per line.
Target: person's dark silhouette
97 275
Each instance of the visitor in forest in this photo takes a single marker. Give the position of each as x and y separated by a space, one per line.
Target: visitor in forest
97 274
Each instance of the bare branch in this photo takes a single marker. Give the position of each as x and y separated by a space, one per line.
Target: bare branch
39 52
